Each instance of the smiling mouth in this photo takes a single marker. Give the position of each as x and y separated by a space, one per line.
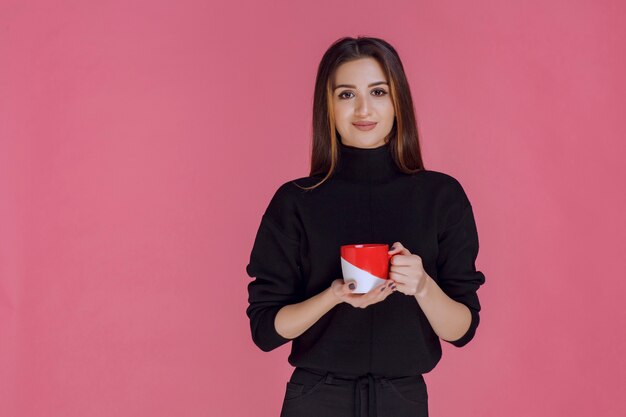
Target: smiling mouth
364 127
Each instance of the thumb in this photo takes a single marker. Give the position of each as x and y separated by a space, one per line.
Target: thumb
398 248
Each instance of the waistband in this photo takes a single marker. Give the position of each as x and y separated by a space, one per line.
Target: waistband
368 380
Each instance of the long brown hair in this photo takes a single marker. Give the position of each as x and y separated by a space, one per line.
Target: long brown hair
403 138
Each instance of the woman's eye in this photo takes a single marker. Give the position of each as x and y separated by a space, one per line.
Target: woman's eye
379 92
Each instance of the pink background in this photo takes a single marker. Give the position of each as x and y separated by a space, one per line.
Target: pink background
140 143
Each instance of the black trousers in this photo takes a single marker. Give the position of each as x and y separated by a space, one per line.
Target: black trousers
311 393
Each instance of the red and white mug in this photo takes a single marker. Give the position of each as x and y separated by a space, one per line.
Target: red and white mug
365 264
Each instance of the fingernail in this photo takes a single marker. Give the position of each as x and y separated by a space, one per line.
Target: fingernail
383 288
393 248
351 286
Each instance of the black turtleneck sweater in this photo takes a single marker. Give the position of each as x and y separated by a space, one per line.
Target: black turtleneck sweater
367 200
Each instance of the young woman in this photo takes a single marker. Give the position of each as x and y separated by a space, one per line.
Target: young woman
364 354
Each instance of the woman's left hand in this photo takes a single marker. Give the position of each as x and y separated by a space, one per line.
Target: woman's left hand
407 271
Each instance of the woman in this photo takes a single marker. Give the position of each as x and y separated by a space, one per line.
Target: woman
364 354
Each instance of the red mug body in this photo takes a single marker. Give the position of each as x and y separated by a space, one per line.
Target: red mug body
365 264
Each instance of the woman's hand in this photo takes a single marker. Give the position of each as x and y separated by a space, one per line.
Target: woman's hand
342 291
407 271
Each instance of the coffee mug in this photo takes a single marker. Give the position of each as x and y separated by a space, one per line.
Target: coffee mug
366 264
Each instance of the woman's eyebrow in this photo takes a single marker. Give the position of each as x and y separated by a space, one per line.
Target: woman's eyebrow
354 86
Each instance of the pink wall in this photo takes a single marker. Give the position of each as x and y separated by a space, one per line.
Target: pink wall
141 141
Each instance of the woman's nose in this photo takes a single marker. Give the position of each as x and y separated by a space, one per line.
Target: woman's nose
362 106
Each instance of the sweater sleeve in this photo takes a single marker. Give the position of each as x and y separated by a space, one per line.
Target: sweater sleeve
274 265
456 271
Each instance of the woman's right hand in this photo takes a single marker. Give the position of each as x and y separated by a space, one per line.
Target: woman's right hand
342 291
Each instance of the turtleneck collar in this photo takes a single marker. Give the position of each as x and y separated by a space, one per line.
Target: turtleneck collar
366 164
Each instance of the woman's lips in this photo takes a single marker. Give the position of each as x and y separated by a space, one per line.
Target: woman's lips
365 125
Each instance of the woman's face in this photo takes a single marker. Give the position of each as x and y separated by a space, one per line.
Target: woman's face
362 95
